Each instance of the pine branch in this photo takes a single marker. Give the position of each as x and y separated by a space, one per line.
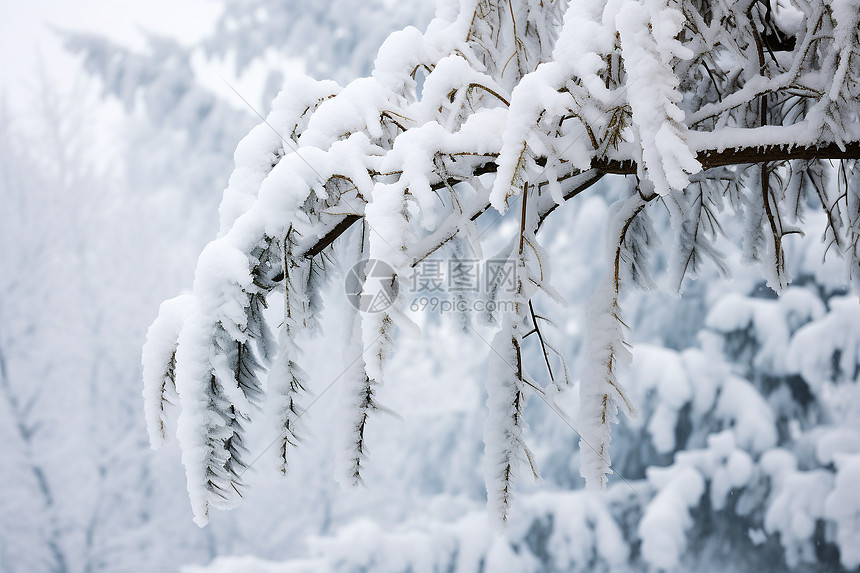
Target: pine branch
709 158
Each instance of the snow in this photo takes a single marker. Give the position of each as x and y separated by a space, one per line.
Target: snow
257 152
795 506
747 399
666 519
581 535
648 32
847 16
160 348
707 378
813 347
600 391
836 441
250 564
733 468
504 448
750 416
788 17
663 372
393 148
843 507
537 92
547 94
357 402
772 323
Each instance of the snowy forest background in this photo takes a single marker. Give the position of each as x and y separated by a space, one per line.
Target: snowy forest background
745 457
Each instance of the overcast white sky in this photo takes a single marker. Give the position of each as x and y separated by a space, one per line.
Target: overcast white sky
25 35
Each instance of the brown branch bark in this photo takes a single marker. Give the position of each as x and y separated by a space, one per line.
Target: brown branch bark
339 229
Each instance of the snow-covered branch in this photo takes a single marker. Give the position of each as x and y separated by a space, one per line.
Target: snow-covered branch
706 104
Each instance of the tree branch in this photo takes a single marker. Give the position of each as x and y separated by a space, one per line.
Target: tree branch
708 158
339 229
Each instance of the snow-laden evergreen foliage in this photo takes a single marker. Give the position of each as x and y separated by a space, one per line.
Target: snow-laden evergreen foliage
742 457
176 115
706 104
336 40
